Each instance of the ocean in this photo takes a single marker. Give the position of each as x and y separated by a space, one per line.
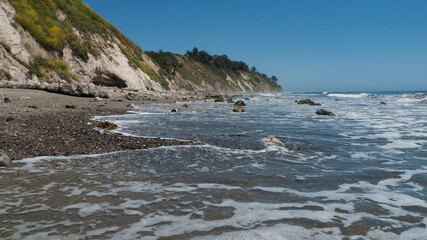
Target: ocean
361 174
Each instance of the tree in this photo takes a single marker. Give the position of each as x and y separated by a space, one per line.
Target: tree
253 69
274 78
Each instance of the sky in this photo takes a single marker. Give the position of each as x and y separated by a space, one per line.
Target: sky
310 45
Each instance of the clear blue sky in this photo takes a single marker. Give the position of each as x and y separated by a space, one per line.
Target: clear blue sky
351 45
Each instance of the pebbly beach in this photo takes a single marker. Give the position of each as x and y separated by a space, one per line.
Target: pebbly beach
39 123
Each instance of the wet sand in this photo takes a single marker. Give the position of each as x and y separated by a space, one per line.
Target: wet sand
38 123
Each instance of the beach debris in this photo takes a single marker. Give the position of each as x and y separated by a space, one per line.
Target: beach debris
238 108
309 102
70 106
6 100
186 106
5 160
175 110
272 139
240 103
98 99
108 125
324 112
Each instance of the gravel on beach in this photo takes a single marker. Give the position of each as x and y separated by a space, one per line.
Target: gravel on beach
31 127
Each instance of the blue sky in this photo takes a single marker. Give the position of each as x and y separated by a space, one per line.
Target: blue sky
328 45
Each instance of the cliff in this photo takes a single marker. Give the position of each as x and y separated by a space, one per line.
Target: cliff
65 42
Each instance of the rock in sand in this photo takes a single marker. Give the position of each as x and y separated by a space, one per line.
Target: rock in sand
5 160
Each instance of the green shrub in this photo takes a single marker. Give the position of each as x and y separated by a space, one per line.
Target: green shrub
40 65
6 73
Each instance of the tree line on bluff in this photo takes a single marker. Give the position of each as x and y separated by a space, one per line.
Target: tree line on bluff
223 62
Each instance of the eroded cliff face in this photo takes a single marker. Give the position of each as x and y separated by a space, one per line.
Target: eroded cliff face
107 58
110 67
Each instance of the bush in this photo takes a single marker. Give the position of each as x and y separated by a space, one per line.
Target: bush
6 73
39 65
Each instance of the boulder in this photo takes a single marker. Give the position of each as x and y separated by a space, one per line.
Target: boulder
272 139
309 102
240 103
134 97
5 160
6 100
247 99
175 110
238 108
382 103
9 119
324 112
219 99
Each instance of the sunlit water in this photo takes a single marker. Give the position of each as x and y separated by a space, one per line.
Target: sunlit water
360 174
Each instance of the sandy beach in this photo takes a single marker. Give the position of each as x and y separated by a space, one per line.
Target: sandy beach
38 123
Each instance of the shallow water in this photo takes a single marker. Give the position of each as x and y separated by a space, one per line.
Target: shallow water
360 174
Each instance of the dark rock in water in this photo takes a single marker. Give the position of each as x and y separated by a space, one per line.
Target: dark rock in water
219 99
5 160
336 99
9 119
247 99
251 96
324 112
309 102
383 103
70 106
240 103
186 106
228 98
175 110
238 108
424 101
6 100
134 97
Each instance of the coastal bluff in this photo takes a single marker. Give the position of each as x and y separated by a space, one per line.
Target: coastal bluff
66 42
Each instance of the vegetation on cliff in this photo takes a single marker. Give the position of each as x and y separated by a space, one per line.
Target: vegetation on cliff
196 65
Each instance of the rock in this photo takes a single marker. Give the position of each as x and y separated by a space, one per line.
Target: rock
240 103
324 112
9 119
238 108
6 100
228 98
108 125
424 101
5 160
309 102
98 99
336 99
272 139
175 110
186 106
70 106
219 99
24 98
383 103
251 96
134 97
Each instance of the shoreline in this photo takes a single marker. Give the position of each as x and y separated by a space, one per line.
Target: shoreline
38 123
